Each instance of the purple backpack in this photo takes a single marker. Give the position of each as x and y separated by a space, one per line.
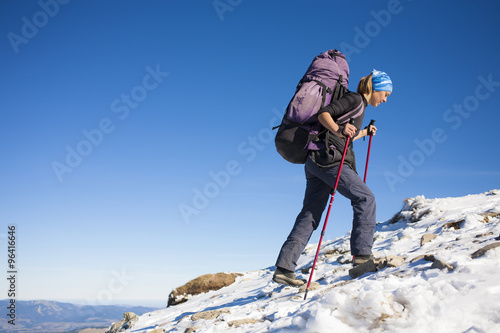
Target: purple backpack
325 80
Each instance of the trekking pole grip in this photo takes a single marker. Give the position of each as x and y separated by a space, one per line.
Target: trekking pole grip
351 121
369 147
372 122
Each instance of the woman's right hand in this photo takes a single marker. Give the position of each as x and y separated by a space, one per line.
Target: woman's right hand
349 130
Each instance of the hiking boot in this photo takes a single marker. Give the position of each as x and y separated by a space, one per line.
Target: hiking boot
286 277
361 259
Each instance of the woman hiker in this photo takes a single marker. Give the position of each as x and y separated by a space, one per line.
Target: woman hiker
321 170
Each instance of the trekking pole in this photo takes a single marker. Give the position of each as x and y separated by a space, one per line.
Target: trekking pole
372 122
328 212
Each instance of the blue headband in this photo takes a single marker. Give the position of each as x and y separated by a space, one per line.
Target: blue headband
381 81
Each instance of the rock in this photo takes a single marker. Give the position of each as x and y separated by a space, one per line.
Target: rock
483 250
442 265
396 218
455 225
345 259
335 252
313 286
417 258
413 211
157 330
484 235
427 238
306 270
394 261
380 264
209 315
426 257
376 265
201 284
129 319
241 322
115 327
488 216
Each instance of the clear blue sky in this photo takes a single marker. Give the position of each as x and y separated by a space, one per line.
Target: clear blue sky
116 115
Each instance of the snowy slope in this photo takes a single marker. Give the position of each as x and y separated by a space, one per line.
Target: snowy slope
410 298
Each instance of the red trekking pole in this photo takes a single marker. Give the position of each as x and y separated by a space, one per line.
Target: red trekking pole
328 212
372 122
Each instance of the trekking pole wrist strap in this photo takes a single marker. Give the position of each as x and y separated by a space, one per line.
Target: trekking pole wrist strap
341 129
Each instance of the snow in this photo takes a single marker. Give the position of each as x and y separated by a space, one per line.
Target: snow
409 298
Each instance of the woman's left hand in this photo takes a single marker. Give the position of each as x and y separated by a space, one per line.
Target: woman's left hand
372 130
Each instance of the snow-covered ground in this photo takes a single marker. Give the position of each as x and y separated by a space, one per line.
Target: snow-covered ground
412 297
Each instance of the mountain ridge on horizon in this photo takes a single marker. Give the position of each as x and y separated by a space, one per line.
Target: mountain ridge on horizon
55 316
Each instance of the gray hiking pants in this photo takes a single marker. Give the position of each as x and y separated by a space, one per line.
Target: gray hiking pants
320 182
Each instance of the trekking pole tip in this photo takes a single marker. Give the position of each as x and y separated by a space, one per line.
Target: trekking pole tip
305 296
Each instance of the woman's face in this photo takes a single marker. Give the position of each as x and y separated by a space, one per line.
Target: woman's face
379 97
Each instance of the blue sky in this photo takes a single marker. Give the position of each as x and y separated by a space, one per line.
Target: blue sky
136 135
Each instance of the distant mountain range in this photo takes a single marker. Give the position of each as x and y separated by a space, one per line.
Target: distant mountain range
50 316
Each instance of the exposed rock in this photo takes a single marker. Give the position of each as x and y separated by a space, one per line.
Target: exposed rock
115 327
375 265
421 215
396 218
335 252
442 265
455 225
157 330
241 322
191 329
201 284
129 319
427 238
488 216
345 259
426 257
413 211
306 270
209 315
483 250
313 286
394 261
484 235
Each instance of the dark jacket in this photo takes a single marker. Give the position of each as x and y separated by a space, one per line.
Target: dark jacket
351 105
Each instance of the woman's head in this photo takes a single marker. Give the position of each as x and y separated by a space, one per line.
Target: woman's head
376 87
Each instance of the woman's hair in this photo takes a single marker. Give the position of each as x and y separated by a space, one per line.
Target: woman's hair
365 85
